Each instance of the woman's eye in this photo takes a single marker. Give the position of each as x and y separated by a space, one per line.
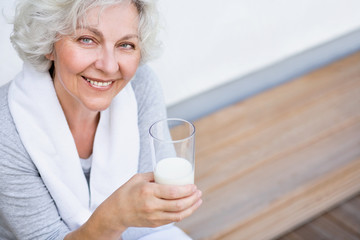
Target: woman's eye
127 46
86 40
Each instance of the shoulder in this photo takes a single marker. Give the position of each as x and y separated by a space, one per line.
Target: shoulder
7 126
147 89
3 96
145 82
6 121
11 147
144 72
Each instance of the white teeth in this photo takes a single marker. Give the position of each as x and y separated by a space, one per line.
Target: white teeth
98 84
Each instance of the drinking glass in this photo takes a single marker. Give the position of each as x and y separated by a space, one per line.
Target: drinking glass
172 142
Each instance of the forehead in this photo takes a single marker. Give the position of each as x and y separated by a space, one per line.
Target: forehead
124 13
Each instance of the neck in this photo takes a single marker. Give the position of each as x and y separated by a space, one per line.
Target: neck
82 122
83 127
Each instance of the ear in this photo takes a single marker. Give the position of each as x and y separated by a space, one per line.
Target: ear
50 56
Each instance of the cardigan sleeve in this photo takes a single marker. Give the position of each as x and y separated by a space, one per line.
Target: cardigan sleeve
27 210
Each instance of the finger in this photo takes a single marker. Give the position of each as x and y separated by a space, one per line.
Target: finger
178 216
181 204
171 192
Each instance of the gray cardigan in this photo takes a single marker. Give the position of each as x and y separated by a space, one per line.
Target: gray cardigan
27 210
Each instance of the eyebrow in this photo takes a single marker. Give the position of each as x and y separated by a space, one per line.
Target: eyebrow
98 33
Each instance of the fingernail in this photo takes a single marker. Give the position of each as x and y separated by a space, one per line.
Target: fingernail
199 193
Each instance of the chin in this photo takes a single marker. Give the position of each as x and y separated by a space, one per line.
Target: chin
97 106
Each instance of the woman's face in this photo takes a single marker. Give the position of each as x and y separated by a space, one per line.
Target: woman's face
95 65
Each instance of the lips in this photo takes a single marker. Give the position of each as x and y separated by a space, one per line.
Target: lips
98 84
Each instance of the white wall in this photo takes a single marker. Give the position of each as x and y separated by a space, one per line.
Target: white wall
211 42
10 63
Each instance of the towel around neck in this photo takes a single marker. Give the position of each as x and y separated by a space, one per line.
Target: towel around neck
44 131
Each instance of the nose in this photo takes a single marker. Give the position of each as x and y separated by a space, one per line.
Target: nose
107 61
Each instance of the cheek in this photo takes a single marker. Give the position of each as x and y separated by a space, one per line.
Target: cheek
130 66
73 60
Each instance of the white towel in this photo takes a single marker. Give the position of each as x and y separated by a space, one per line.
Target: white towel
46 136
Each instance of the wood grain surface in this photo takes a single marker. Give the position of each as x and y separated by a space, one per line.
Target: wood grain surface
343 222
272 162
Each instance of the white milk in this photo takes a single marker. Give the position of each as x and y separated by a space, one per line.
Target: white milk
174 171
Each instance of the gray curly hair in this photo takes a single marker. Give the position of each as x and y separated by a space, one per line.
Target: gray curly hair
39 23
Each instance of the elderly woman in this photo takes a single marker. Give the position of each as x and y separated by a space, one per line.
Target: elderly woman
74 151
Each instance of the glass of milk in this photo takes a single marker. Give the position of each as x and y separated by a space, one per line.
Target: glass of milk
172 142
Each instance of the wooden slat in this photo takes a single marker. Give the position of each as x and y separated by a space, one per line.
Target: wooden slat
293 210
328 229
270 163
292 236
324 229
343 222
348 215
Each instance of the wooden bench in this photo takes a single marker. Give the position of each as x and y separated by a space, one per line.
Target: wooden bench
270 163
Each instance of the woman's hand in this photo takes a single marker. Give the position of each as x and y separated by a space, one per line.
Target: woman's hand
142 203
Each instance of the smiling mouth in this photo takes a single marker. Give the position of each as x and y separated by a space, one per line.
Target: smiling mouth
98 83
